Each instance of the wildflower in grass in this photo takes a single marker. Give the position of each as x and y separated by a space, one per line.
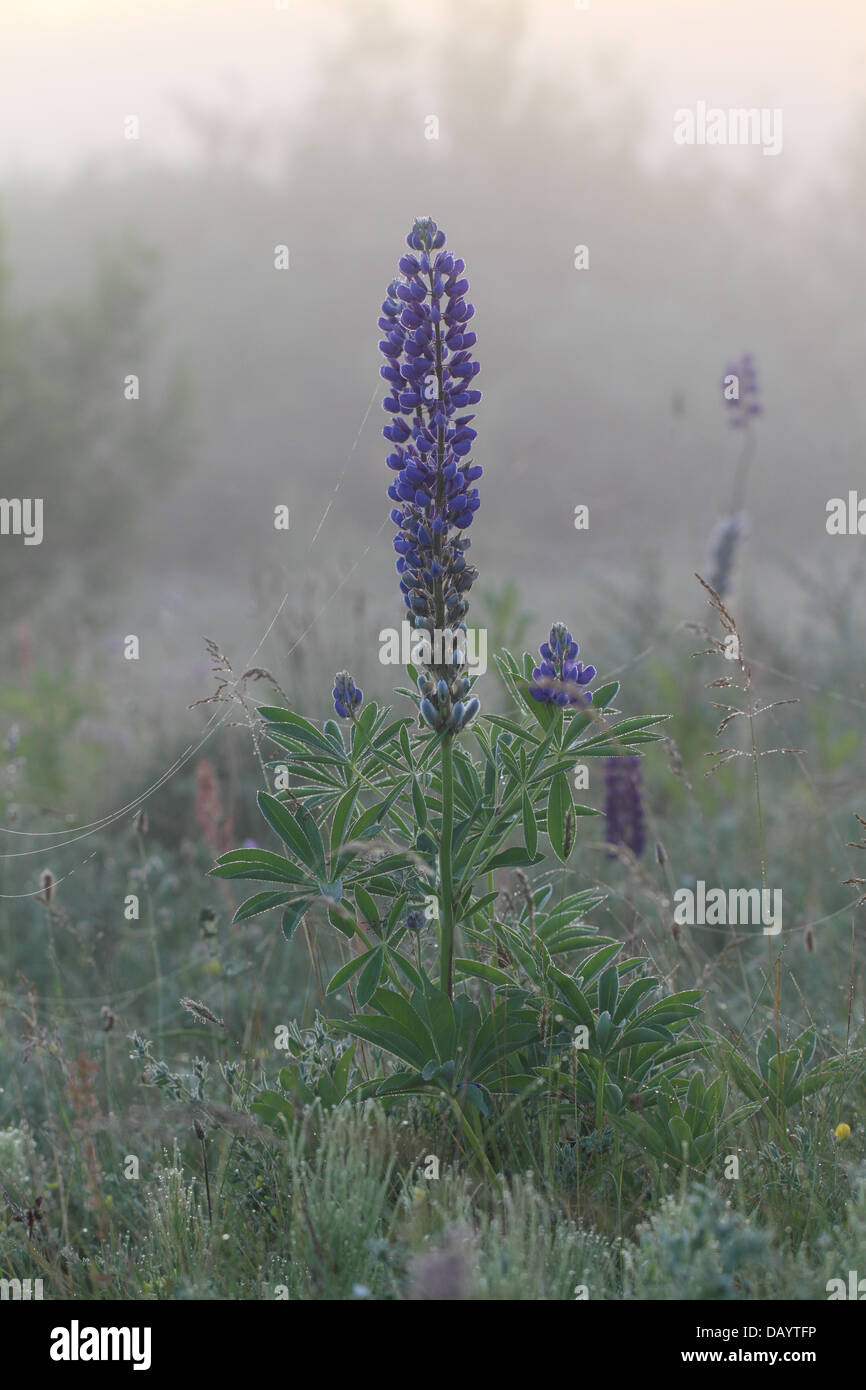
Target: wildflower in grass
842 1132
347 695
216 826
623 805
723 548
743 407
429 369
560 678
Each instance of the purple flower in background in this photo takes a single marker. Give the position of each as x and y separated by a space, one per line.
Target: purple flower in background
429 370
746 403
347 695
559 678
623 807
723 548
251 844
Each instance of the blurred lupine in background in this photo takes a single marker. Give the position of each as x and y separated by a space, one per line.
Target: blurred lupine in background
743 405
623 804
724 541
744 402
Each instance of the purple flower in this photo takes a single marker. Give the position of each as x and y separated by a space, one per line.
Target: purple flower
415 919
723 548
623 807
347 695
559 678
747 403
442 704
429 370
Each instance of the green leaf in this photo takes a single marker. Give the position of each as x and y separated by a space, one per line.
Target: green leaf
292 916
608 989
465 969
632 996
573 995
257 863
419 804
367 906
361 729
558 805
530 828
300 728
370 976
512 858
375 814
349 969
342 917
261 902
343 811
388 1034
280 819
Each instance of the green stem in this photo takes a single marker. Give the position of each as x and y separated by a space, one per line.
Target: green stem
446 872
599 1104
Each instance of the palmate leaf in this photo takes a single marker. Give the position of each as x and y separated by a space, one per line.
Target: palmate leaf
351 968
297 831
389 1035
292 725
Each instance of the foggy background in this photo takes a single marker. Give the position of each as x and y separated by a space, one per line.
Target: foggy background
305 126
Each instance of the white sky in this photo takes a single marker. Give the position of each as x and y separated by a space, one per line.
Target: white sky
71 70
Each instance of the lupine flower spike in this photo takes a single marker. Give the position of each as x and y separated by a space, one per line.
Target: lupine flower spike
347 695
429 370
623 806
560 678
723 549
746 405
741 408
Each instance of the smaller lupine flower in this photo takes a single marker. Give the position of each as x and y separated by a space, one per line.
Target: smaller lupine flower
723 548
623 806
415 919
559 678
443 707
347 695
747 404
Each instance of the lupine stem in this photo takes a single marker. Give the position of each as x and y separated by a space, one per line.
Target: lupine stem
446 873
